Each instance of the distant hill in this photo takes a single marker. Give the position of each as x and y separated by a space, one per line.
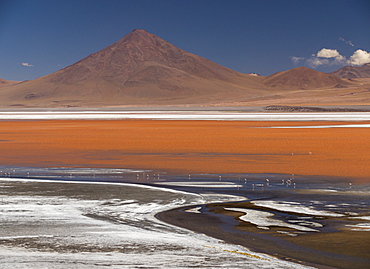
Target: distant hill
141 68
4 82
353 71
304 78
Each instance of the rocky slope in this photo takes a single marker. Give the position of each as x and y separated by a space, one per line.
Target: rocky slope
353 71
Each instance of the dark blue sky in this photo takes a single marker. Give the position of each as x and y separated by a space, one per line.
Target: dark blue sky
38 37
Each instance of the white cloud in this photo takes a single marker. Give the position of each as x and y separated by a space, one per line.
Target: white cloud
296 60
27 64
349 42
328 53
331 54
359 57
315 62
325 57
333 57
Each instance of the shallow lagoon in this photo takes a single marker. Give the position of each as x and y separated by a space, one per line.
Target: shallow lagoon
49 224
89 224
48 221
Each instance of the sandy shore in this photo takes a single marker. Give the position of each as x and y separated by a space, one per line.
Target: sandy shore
189 146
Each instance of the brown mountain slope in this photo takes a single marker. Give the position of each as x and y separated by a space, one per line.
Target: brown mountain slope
141 68
353 71
4 83
304 78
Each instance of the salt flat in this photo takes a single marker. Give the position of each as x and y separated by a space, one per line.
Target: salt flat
184 115
48 224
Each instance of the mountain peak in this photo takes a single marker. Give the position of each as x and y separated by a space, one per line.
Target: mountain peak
138 52
303 69
140 66
139 30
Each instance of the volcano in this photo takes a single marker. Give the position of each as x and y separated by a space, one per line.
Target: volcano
141 68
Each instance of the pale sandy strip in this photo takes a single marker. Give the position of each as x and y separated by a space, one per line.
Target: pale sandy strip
192 115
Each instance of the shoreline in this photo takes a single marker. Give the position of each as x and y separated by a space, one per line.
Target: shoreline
228 229
118 226
187 115
211 224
